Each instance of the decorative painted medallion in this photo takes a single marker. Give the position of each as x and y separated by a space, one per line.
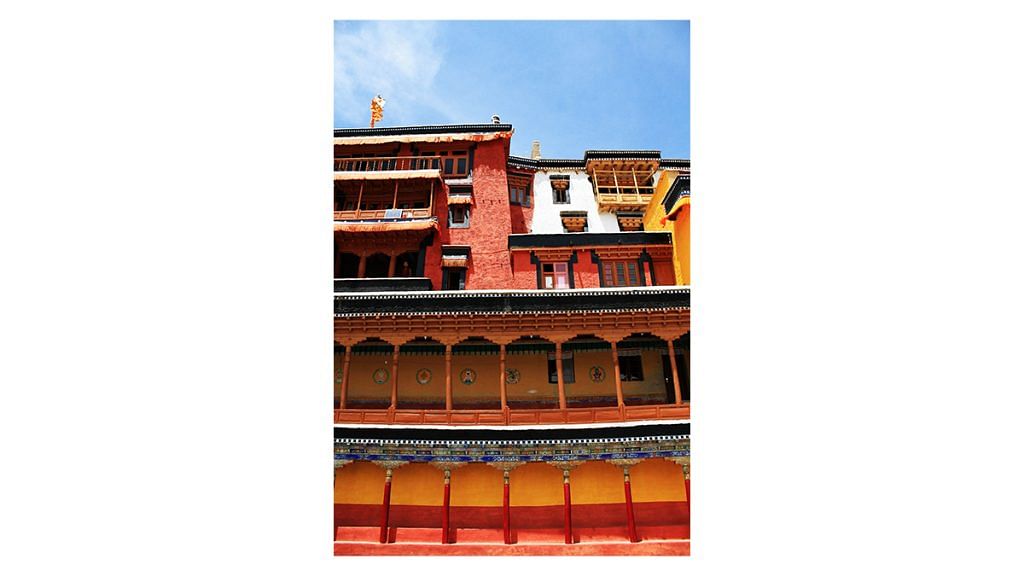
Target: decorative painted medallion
511 376
381 375
423 376
596 374
467 376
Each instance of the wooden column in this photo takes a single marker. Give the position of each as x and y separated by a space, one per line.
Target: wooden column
618 376
630 521
344 376
501 375
561 381
385 509
394 379
391 265
686 487
567 494
448 378
394 201
361 272
625 464
675 372
445 526
506 520
359 200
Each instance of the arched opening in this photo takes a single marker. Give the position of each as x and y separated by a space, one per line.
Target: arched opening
346 265
590 361
370 373
531 377
475 375
405 265
377 265
421 375
641 370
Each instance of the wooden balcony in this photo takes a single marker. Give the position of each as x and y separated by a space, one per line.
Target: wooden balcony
389 214
387 164
590 415
624 199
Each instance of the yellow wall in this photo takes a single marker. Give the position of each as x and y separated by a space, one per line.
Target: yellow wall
477 484
657 480
535 484
680 229
417 483
597 483
360 376
533 375
359 483
486 387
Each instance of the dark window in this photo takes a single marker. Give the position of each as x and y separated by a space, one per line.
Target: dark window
519 195
560 196
568 368
454 279
631 368
458 216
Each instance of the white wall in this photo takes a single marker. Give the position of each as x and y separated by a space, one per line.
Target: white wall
546 214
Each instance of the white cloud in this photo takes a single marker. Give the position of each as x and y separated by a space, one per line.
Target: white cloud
398 60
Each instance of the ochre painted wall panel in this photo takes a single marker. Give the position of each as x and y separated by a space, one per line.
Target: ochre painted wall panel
597 483
486 386
360 376
535 484
533 376
359 483
657 480
417 484
476 484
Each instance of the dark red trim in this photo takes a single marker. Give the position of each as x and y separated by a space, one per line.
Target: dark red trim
505 519
568 513
630 521
384 510
444 517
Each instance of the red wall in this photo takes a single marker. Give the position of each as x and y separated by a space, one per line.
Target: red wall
489 221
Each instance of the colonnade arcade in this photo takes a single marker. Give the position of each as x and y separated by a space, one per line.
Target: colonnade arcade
512 470
506 373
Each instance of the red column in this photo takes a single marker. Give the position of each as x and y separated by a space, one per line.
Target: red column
686 486
385 507
630 521
445 508
506 519
568 506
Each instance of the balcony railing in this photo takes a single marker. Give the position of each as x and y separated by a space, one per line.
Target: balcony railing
387 164
611 195
398 284
396 213
514 416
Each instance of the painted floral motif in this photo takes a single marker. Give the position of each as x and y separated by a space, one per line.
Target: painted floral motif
467 376
423 376
381 375
596 374
511 376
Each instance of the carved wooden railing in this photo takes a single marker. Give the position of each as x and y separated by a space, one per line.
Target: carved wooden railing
387 163
590 415
379 214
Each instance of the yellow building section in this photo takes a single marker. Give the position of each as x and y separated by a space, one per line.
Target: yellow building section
656 220
477 484
657 480
535 484
417 484
359 483
597 483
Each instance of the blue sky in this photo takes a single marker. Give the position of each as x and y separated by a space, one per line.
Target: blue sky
572 85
